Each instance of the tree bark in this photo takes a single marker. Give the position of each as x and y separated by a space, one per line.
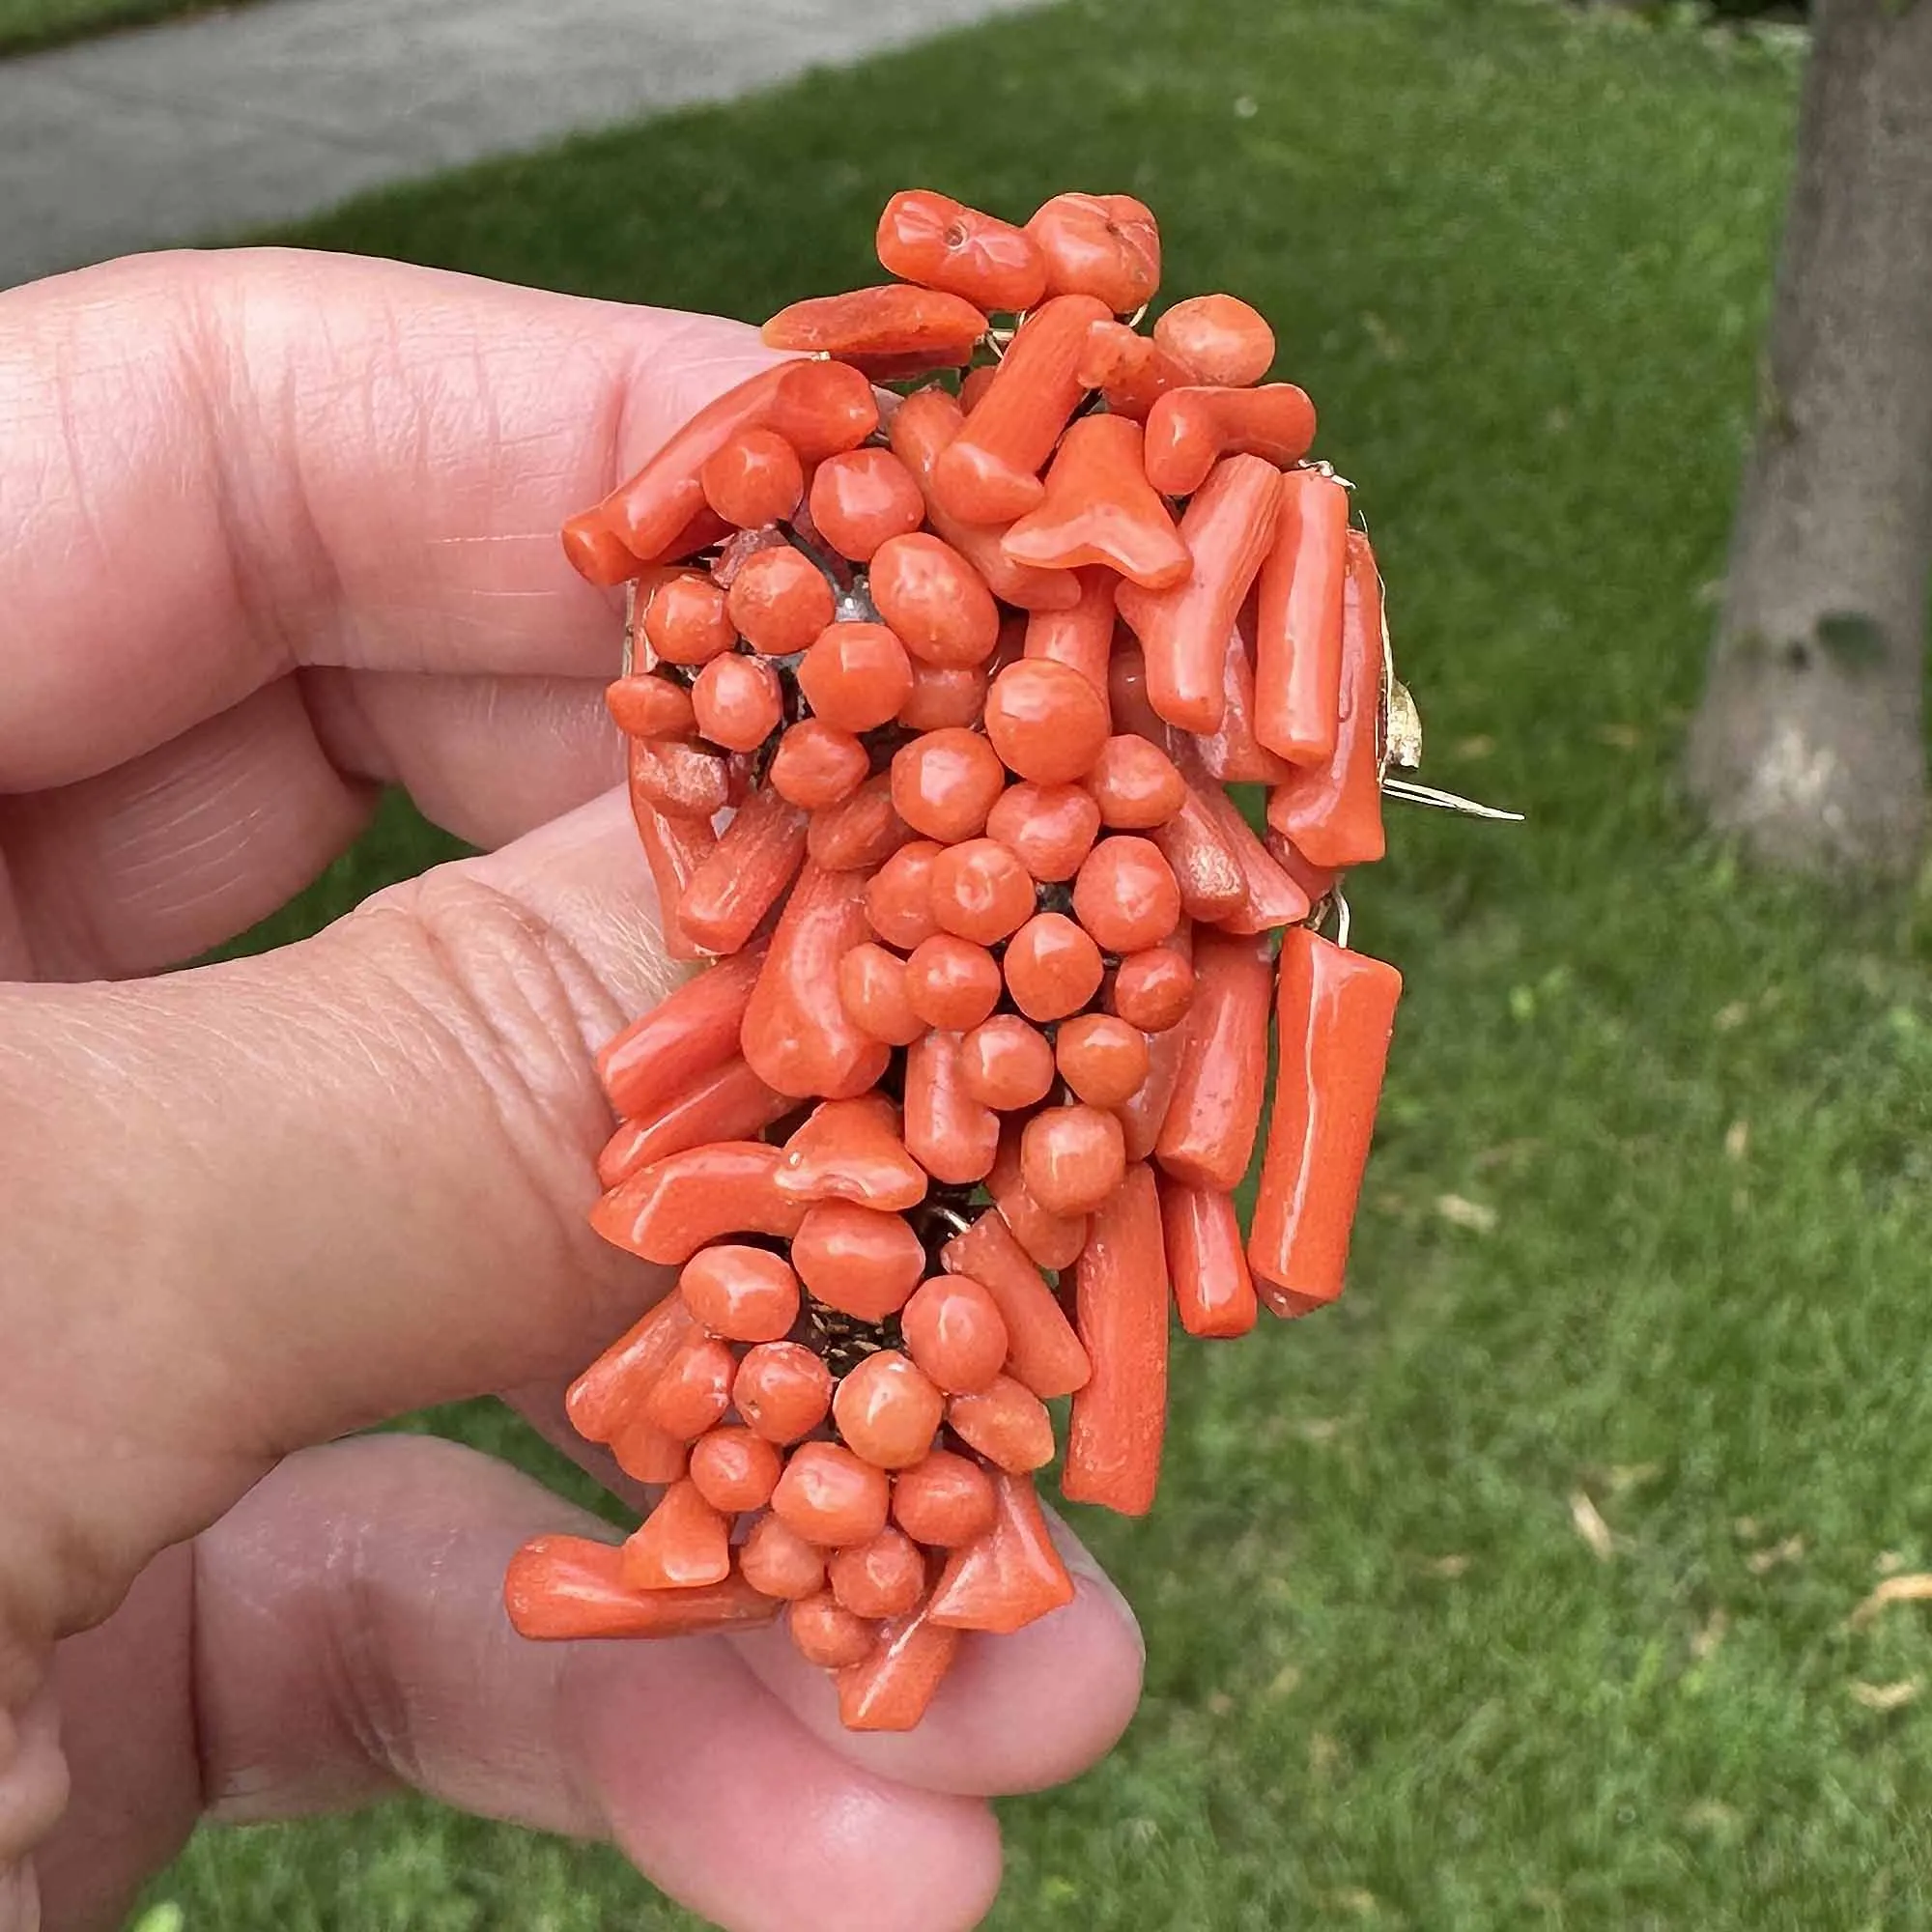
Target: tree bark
1808 742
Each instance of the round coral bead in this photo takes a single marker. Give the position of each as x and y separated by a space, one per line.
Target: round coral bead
858 1260
829 1496
945 782
685 621
742 1293
782 1390
1072 1158
825 1633
1126 894
899 895
1052 967
885 1578
1153 989
951 984
980 891
1103 1059
855 675
954 1332
861 499
777 1562
944 1501
736 702
778 601
734 1469
1004 1063
1046 720
888 1410
753 479
1049 828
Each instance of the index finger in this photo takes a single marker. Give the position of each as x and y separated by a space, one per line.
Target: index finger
220 467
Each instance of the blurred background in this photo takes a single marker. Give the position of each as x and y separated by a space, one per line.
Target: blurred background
1524 1586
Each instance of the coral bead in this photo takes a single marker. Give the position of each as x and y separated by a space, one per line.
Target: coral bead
1049 828
873 990
855 676
945 782
742 1293
863 497
899 895
685 621
734 1470
782 1390
1152 990
888 1409
1126 894
935 600
944 1501
1052 967
1046 721
778 601
736 702
1072 1158
753 479
1006 1423
943 694
694 1391
1219 338
951 984
1136 785
954 1332
777 1562
817 765
941 244
1099 244
885 1578
828 1634
1102 1059
980 891
858 1260
1004 1063
829 1496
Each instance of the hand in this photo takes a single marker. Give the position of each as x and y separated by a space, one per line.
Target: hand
275 530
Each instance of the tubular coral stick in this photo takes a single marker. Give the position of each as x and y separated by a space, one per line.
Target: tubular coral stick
611 1388
568 1586
1213 1292
1043 1350
1334 1012
1184 630
675 1206
1298 625
796 1036
925 427
988 473
730 1103
1113 1442
1217 1105
746 874
1333 813
692 1032
891 1689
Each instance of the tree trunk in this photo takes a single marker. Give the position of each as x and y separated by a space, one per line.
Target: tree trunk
1808 742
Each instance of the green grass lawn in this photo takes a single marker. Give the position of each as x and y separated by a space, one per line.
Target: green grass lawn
1645 1225
29 25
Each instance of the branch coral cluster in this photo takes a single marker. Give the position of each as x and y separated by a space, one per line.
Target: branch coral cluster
963 669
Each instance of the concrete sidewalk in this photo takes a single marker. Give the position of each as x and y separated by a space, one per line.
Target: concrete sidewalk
181 132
